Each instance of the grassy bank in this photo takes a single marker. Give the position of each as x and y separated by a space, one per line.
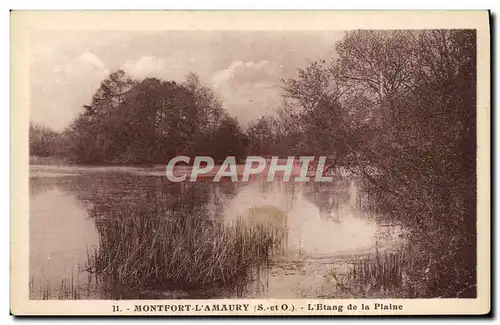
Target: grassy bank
51 160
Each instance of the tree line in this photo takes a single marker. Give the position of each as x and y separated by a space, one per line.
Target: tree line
145 122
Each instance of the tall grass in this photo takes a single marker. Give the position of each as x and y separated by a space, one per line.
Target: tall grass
179 249
382 272
376 275
68 289
397 274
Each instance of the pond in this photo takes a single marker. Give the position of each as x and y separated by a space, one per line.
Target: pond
327 227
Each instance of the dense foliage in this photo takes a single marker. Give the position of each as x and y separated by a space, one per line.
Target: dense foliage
146 122
45 142
399 109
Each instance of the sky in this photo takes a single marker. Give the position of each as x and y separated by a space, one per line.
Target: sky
244 68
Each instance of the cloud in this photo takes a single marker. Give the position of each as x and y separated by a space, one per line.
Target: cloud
153 67
240 71
92 59
249 89
87 63
146 66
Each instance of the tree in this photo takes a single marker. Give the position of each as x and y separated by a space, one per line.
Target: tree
151 121
209 112
89 132
229 140
45 142
398 108
265 136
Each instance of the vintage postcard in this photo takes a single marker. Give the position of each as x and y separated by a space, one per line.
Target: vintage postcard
248 163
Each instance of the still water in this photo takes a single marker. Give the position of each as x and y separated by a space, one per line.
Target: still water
326 224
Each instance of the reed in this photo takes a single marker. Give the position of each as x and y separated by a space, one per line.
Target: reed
384 271
179 249
43 292
376 275
68 288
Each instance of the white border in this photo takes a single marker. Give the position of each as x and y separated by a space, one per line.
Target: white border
145 4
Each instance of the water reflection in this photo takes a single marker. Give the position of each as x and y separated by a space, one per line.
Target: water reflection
60 235
319 222
70 207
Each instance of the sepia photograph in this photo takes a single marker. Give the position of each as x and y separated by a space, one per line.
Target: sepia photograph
220 170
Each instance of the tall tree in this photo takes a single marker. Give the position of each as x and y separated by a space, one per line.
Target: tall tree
150 121
399 108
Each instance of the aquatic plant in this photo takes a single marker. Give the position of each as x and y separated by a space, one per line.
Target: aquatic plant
178 249
382 272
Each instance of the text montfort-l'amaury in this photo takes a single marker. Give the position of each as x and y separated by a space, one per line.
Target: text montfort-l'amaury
182 308
193 308
179 169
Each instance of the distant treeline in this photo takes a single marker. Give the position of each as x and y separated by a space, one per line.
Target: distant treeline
44 142
145 122
399 102
151 121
